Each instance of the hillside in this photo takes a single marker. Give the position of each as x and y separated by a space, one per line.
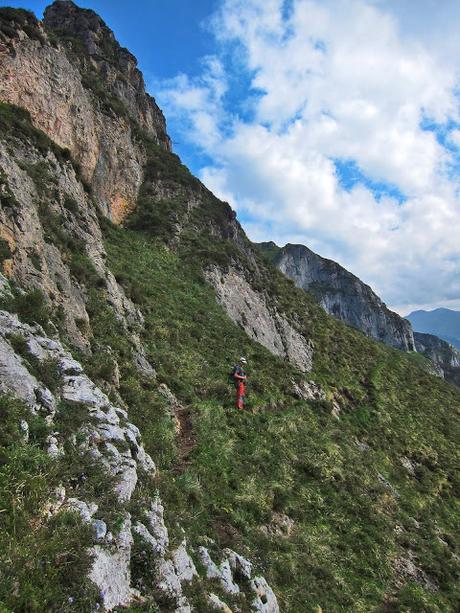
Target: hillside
347 298
127 479
444 323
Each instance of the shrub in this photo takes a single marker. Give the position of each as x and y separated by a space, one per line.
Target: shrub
7 198
31 307
5 251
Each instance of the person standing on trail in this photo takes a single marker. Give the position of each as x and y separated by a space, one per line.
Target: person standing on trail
240 378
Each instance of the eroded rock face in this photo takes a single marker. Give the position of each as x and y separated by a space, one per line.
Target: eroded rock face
445 357
343 295
260 320
233 572
60 84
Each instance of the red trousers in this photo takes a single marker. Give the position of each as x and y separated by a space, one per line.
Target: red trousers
240 394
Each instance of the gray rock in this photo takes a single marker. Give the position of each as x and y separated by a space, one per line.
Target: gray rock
54 449
157 526
259 319
361 445
408 465
308 390
111 569
99 529
212 571
85 510
218 604
445 357
183 563
183 606
281 526
226 578
24 426
265 600
387 485
80 389
168 581
239 565
343 295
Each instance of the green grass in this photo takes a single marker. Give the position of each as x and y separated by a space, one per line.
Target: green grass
43 560
286 456
292 456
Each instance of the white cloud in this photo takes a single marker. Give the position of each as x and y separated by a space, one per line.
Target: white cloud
347 79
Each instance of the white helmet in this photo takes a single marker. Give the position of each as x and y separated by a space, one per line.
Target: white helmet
243 360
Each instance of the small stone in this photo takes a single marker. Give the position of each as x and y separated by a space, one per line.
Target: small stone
99 529
265 600
24 426
185 568
218 604
86 511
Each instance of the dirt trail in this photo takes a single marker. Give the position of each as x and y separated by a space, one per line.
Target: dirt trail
186 437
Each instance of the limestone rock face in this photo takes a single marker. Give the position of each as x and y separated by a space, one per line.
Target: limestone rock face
445 357
342 294
85 92
261 321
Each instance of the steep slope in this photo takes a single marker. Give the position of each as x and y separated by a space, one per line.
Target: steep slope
341 294
444 323
339 486
444 355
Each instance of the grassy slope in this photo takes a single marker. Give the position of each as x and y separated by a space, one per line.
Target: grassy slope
292 456
288 456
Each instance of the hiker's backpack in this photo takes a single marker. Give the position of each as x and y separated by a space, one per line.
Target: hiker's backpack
231 375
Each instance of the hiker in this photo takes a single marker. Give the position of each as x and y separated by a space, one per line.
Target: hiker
239 378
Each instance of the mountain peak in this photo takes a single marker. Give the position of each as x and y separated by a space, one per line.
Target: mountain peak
65 18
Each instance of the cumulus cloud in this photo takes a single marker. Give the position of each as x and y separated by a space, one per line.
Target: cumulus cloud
333 83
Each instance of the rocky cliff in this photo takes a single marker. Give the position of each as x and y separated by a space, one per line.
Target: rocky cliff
127 479
342 294
444 355
85 92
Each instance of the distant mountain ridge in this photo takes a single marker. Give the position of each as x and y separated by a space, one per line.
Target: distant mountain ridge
341 294
441 322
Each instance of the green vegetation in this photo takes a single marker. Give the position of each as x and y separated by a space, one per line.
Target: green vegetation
43 559
31 307
7 198
5 251
12 20
370 494
292 456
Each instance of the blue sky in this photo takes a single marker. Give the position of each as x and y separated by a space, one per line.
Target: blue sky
333 123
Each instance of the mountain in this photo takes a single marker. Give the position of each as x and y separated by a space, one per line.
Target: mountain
444 355
347 298
444 323
341 294
128 480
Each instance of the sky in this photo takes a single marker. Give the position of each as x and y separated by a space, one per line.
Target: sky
331 123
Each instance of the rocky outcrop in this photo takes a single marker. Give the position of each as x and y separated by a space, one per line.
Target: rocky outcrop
445 357
85 92
341 294
54 237
261 321
106 435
